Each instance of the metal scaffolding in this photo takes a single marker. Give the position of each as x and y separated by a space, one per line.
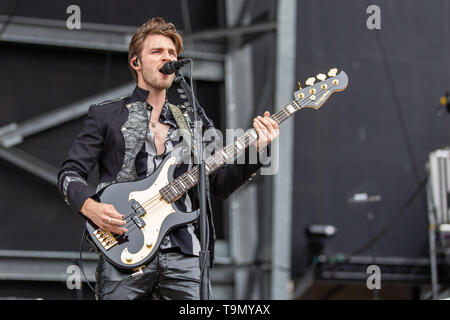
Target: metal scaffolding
228 62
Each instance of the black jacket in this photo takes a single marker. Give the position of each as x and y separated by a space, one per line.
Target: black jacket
101 141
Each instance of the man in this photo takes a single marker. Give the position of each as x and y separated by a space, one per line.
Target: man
128 139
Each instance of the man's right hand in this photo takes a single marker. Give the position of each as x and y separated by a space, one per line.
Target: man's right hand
104 216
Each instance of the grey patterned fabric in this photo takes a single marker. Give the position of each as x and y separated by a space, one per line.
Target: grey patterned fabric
103 185
134 132
67 180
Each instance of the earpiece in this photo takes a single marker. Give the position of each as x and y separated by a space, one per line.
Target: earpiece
135 62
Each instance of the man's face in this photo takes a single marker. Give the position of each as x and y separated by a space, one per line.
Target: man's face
156 51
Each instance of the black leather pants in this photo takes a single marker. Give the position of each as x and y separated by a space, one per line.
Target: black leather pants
170 275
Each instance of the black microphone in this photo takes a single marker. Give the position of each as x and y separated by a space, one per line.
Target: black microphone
174 66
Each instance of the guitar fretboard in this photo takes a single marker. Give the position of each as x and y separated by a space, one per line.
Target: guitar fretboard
229 153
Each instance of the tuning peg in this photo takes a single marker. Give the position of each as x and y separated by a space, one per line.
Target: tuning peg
332 72
321 76
299 85
310 81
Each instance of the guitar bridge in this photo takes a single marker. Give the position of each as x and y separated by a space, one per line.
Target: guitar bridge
106 239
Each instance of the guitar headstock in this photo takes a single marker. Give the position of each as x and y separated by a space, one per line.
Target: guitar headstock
315 94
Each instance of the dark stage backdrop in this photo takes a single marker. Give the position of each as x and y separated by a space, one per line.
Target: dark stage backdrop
374 137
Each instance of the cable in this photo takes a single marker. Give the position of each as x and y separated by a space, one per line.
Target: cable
402 210
84 275
397 105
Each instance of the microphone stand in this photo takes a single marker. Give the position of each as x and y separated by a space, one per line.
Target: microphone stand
204 227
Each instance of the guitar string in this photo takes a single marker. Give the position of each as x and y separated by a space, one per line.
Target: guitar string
145 204
247 137
182 177
279 116
132 213
218 156
282 113
148 207
148 212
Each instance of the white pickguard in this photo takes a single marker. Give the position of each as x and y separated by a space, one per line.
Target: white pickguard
157 212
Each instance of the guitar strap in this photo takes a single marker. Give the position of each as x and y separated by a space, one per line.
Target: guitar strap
180 118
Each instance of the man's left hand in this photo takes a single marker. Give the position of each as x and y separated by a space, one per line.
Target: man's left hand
267 130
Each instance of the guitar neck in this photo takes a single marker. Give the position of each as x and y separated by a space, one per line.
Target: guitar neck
189 179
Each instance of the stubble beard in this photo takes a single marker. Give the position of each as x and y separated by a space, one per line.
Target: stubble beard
153 81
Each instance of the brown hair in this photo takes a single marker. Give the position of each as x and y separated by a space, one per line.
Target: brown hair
152 26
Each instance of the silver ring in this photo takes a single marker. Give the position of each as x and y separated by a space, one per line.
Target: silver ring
109 220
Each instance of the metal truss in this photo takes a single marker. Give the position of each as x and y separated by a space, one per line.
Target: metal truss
61 267
114 38
227 61
13 134
251 243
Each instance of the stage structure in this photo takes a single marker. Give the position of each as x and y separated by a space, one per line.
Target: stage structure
222 56
438 196
355 168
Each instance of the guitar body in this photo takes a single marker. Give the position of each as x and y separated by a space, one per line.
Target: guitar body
149 218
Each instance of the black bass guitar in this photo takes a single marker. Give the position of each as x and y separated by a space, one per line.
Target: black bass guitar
148 204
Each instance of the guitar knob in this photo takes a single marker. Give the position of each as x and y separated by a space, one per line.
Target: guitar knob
332 72
310 81
321 76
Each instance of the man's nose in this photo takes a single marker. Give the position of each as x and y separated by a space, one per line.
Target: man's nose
166 56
